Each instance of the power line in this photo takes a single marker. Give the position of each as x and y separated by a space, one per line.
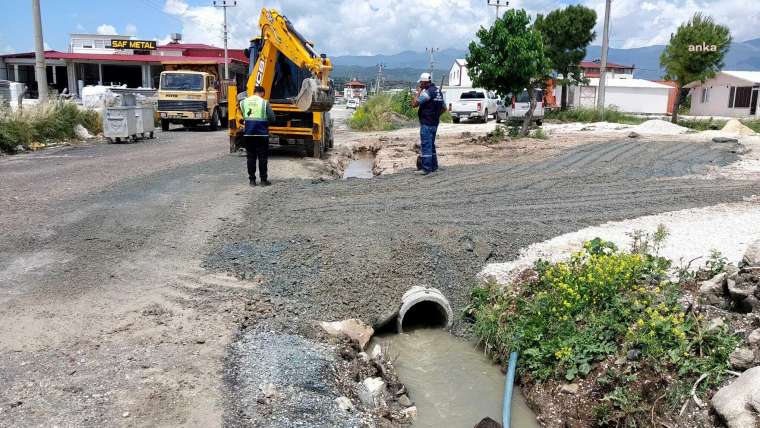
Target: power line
498 5
224 5
603 65
159 8
431 59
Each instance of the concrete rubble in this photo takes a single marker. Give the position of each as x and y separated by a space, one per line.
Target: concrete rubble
354 329
372 392
736 289
738 404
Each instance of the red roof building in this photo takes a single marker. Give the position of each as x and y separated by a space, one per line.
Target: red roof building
355 84
91 61
592 68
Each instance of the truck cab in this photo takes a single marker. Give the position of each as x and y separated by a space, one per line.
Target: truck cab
191 98
477 104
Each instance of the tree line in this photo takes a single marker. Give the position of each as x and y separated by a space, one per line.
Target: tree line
517 53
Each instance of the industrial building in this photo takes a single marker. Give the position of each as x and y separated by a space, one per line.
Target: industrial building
95 59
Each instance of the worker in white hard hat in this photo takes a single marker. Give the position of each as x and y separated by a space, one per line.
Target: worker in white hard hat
431 105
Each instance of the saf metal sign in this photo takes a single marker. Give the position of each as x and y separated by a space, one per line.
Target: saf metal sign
133 44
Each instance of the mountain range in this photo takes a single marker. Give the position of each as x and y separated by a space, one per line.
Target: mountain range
406 65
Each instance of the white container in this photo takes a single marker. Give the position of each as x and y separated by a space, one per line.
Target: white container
120 123
144 120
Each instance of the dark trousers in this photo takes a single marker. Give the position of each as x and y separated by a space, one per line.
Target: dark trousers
257 148
427 148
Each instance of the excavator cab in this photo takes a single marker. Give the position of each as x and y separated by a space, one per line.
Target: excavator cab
296 82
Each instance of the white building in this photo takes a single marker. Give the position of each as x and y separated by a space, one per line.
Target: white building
458 74
623 94
729 93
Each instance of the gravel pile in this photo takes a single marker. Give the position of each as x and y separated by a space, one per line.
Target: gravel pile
694 233
660 127
283 380
735 127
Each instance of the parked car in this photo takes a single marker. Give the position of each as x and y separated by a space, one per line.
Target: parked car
352 103
518 106
477 104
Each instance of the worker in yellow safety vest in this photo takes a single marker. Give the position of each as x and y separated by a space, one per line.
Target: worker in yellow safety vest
257 113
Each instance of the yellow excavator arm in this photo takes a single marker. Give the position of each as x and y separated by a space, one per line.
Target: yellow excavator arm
279 36
316 95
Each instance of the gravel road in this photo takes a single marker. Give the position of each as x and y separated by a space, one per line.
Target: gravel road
106 318
139 283
345 249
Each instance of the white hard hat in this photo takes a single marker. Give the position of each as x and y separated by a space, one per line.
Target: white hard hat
425 77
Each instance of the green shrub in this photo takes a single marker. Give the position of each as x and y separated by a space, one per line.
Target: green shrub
53 122
539 134
702 124
387 111
601 303
588 115
754 124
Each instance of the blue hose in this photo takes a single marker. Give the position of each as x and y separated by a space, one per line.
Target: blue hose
506 413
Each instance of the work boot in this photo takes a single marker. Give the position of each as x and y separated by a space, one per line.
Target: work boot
252 183
266 183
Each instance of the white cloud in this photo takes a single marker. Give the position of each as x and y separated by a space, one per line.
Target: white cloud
106 29
340 27
130 30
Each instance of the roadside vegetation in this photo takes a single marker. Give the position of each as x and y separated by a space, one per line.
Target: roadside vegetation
612 321
682 65
385 112
588 115
43 125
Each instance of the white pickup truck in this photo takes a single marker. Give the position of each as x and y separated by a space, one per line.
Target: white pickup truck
477 104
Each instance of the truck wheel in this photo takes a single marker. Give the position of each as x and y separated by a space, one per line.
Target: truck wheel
315 150
214 125
455 119
164 125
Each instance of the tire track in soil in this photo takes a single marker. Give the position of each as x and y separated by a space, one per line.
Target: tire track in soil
351 248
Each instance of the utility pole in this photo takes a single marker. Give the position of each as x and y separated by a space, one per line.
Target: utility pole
379 79
431 59
39 54
603 66
498 4
224 4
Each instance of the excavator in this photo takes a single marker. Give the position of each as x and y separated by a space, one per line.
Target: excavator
297 84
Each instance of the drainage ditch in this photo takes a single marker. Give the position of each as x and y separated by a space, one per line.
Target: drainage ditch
360 166
450 380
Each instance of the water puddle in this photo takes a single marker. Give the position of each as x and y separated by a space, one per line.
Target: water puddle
452 383
361 167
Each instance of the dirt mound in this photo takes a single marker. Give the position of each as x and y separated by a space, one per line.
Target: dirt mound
733 126
658 126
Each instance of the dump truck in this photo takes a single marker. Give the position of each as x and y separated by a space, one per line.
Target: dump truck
192 95
297 84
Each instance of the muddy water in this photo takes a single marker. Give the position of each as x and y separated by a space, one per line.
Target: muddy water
451 382
361 167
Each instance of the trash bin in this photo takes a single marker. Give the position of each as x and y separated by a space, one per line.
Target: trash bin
120 123
144 120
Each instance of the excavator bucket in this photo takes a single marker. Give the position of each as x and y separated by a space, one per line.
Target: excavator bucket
314 97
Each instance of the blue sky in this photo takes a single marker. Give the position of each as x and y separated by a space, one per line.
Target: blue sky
62 17
341 27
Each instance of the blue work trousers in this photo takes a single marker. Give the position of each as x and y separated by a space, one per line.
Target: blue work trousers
427 148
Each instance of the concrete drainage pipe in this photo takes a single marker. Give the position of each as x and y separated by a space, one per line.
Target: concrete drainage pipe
424 306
